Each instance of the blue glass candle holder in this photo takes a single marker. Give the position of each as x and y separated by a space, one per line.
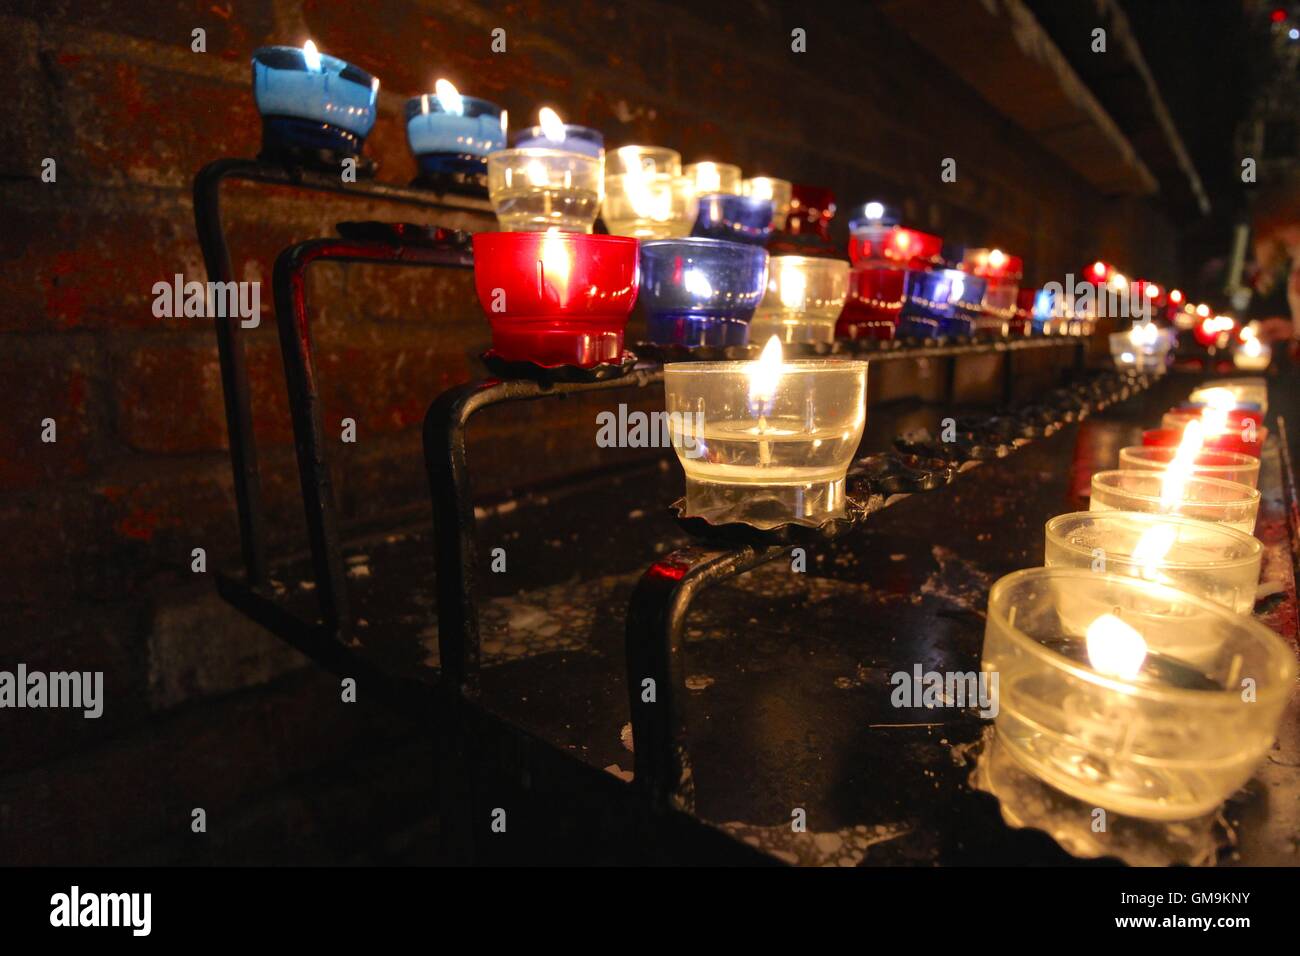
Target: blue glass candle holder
745 219
940 302
873 215
701 291
577 139
312 101
453 143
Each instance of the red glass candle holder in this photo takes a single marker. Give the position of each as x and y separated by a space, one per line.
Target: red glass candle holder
811 210
1236 416
556 298
906 248
874 304
1230 441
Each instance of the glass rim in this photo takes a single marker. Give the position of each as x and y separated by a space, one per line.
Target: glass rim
1250 495
539 152
702 242
738 366
1242 460
1276 649
1053 531
577 238
714 163
818 263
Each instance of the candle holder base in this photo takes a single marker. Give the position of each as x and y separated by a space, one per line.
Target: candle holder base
293 141
464 178
408 234
694 331
767 522
1027 802
662 354
508 369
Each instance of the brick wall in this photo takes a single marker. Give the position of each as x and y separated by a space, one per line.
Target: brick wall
99 525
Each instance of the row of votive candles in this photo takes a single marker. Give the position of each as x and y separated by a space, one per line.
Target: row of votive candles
564 298
557 178
1131 675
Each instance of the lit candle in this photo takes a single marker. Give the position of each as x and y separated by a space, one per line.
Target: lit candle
1213 561
556 298
804 297
449 132
535 190
779 191
767 442
646 195
710 177
311 100
700 291
1127 694
551 132
1252 355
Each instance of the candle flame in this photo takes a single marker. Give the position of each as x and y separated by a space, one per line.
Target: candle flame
449 97
311 56
875 210
1151 548
556 264
1118 281
505 121
707 178
760 187
793 284
1174 485
552 125
765 374
1115 648
997 259
1144 333
1219 403
536 173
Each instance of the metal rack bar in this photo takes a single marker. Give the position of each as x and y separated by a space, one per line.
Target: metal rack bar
455 543
304 396
234 370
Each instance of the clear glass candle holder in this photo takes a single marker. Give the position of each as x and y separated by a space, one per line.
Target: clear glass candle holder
1228 465
1212 561
710 177
805 296
1252 356
649 205
533 190
1206 499
779 191
1251 392
766 449
646 160
1152 721
1135 353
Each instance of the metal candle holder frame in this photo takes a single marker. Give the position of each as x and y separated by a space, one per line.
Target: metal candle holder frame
661 601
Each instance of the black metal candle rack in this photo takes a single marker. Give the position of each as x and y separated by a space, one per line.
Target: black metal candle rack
474 739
